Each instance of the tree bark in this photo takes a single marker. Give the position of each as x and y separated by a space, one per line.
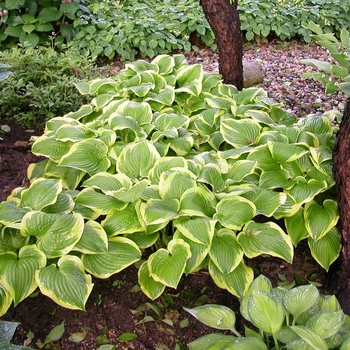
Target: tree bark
223 18
341 171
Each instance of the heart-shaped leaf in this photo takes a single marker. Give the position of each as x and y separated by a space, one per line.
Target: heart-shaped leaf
265 238
326 249
122 252
149 286
225 251
319 219
17 272
198 229
167 265
240 133
234 211
41 193
159 211
295 226
236 282
58 233
66 284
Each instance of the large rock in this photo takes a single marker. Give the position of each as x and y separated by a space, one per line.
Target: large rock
252 74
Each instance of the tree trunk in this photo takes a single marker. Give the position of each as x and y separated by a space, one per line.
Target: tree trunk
223 18
341 171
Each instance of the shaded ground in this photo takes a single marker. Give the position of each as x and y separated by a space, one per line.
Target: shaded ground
116 306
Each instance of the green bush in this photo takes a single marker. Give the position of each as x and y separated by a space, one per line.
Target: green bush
167 166
297 318
151 27
41 85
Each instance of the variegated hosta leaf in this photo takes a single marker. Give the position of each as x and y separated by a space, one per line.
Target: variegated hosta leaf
148 285
236 282
215 316
263 158
122 252
66 284
240 169
300 299
10 212
63 205
5 301
322 160
198 201
225 251
11 238
167 265
295 226
141 112
199 253
283 152
286 209
240 133
168 121
266 311
165 63
41 193
70 177
119 122
50 147
212 175
93 240
310 337
197 229
261 117
305 191
260 283
58 233
74 133
265 238
266 201
144 240
235 211
172 184
327 324
137 159
99 202
163 97
278 178
17 272
321 126
221 103
319 219
326 249
159 211
164 164
89 155
183 144
123 221
189 79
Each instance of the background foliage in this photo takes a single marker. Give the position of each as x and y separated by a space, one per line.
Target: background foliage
152 27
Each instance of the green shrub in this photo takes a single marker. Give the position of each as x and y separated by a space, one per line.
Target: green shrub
41 85
297 318
333 76
167 164
151 27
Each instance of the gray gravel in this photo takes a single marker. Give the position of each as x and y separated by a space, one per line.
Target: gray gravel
281 64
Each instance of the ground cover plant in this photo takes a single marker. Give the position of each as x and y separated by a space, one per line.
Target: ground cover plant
152 27
297 318
169 168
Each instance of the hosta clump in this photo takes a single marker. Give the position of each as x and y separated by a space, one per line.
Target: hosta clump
167 156
298 318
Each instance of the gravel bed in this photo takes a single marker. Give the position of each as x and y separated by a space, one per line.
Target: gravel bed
280 62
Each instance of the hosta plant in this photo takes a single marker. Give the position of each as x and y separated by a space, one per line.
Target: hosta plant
298 318
170 167
333 75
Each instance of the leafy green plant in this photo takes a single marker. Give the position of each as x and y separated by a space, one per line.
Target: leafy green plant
297 318
7 330
333 76
41 84
169 167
